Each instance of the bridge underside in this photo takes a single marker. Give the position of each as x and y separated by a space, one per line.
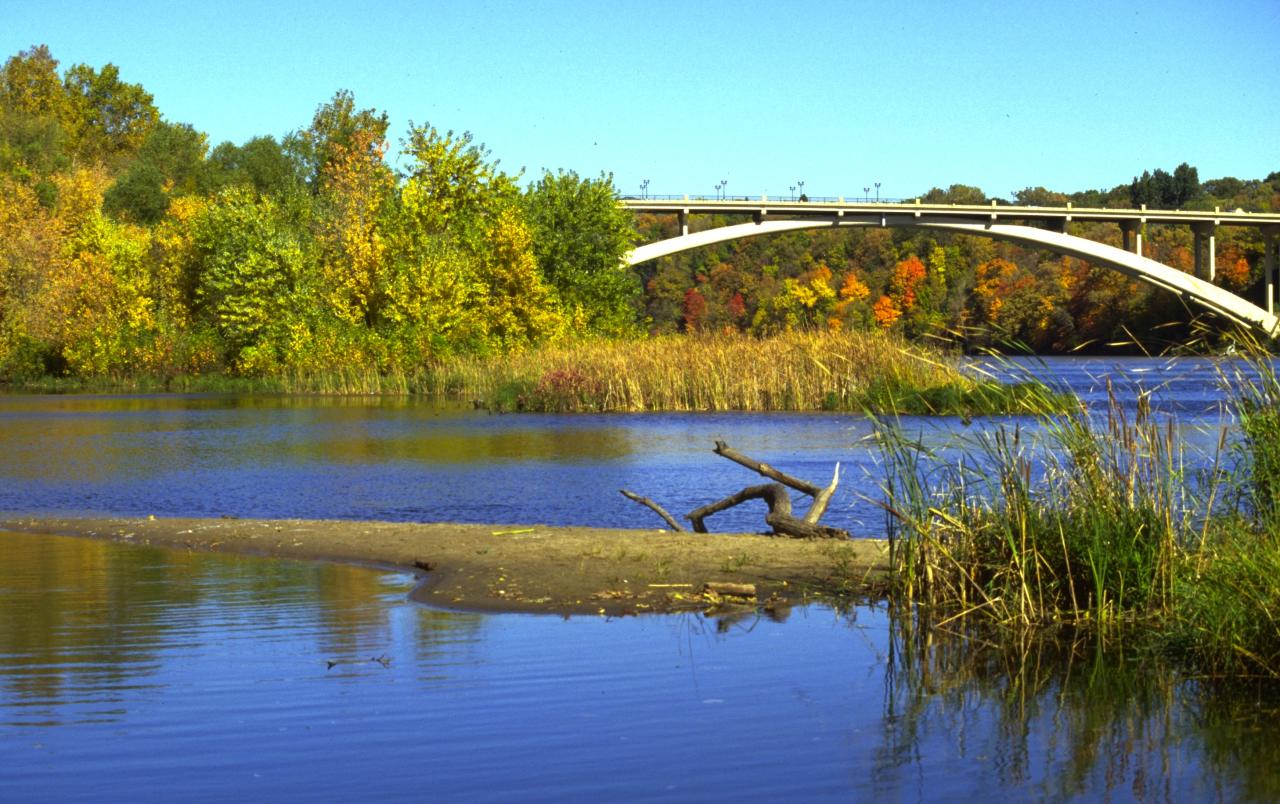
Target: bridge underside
1186 286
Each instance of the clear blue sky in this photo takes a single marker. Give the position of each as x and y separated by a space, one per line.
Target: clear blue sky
840 94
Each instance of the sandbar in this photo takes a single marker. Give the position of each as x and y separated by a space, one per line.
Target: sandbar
530 568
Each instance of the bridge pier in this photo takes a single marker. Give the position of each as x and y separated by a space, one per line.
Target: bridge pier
1128 229
1202 233
1270 244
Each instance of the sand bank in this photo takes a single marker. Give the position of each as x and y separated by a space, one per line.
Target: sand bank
528 568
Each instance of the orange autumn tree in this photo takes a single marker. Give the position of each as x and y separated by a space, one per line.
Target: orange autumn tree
907 277
886 312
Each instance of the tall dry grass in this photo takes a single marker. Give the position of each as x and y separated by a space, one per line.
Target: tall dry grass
797 371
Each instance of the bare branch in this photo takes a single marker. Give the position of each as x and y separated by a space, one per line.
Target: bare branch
653 506
725 451
822 499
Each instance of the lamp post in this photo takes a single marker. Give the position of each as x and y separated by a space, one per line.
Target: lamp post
793 192
644 189
877 192
866 193
724 194
801 185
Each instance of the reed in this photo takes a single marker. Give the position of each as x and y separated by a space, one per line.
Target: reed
1080 523
1095 520
1228 615
797 371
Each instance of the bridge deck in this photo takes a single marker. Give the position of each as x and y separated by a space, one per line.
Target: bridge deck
766 207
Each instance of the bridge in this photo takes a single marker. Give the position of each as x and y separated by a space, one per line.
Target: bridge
1040 227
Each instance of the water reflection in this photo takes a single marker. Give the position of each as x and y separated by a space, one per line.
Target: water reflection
128 672
1067 716
86 625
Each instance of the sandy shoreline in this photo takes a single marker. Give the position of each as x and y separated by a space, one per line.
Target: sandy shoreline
526 568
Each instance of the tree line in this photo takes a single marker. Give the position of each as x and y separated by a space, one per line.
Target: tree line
985 292
129 246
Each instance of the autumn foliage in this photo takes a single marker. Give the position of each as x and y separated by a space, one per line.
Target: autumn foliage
129 247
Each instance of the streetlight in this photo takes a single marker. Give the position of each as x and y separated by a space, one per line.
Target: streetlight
801 184
724 194
866 193
719 187
877 192
644 189
793 192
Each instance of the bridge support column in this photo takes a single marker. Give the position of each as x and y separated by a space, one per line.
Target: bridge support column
1205 233
1270 242
684 222
1128 229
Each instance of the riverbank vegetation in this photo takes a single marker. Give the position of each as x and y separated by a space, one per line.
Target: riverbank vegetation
338 258
1100 521
793 371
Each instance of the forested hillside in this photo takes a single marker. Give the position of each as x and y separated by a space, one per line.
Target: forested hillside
132 246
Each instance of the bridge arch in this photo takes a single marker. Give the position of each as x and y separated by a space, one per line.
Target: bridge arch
1191 288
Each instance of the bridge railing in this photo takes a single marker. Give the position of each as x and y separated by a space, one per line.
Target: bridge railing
817 199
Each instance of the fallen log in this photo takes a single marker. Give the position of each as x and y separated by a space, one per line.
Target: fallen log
775 495
724 588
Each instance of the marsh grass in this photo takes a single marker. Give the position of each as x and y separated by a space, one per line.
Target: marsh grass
1228 613
1097 521
1078 524
797 371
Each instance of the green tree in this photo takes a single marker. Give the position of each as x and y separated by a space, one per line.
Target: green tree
169 164
955 194
261 163
1040 197
580 237
33 110
109 118
246 263
463 242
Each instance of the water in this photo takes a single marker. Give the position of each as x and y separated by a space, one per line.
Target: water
406 460
135 673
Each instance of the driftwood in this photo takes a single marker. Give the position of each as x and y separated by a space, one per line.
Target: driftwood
653 506
779 518
726 589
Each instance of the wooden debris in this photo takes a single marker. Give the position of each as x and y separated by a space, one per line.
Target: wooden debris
725 589
653 506
779 518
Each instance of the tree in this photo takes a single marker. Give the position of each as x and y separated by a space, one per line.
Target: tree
335 130
580 238
246 263
33 111
169 164
1040 197
462 240
29 84
1162 190
356 214
109 118
955 194
261 163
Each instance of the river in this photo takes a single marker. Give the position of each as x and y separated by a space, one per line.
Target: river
135 673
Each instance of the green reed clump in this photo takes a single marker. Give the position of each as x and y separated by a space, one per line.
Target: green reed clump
1228 599
1097 521
1228 604
1080 524
796 371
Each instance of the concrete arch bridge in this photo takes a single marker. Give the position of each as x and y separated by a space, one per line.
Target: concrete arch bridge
1040 227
